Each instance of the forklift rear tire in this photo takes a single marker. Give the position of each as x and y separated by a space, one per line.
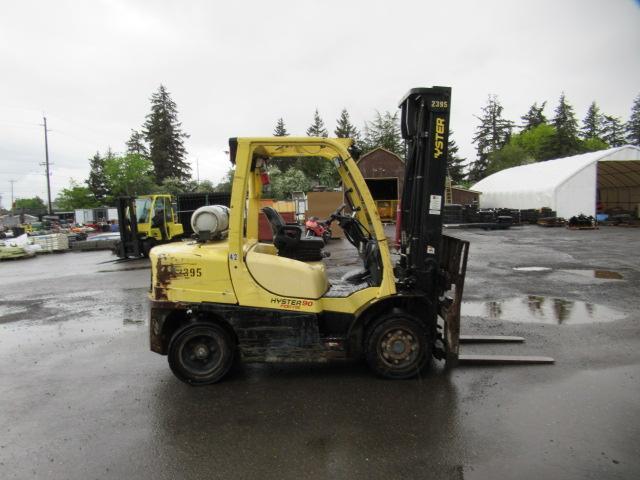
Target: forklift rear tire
201 353
397 346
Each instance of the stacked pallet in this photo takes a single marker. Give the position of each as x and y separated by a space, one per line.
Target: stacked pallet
11 253
54 242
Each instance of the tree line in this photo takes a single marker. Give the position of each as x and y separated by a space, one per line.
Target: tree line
154 161
538 139
155 155
383 131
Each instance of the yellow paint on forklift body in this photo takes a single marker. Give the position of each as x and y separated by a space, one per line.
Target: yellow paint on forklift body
156 202
241 270
285 276
192 272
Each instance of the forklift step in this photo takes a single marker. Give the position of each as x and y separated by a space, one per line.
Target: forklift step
490 339
503 360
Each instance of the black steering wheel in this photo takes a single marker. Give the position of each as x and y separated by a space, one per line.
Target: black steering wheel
337 215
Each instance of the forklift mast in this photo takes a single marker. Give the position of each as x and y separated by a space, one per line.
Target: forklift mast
129 244
425 129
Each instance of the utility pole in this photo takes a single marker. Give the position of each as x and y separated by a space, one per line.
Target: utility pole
197 171
11 204
46 163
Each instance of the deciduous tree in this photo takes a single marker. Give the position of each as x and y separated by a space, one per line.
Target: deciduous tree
226 183
76 196
130 175
285 183
30 205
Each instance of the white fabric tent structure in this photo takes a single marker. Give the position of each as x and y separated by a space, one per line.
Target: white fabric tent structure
570 185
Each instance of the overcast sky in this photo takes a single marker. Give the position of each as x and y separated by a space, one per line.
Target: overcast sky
234 67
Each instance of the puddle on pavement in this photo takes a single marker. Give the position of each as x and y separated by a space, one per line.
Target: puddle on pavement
602 274
538 309
588 273
126 269
6 310
133 321
532 269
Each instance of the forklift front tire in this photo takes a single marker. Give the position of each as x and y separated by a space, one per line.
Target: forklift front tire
201 353
147 245
397 347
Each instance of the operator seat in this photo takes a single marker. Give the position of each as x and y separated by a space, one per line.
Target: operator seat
290 241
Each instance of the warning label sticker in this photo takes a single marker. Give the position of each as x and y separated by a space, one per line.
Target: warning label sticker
435 204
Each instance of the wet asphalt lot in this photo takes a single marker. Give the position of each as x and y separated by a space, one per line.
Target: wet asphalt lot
82 397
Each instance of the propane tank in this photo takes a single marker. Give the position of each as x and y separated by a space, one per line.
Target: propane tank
212 219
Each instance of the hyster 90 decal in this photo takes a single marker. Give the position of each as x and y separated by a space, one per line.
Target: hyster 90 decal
291 304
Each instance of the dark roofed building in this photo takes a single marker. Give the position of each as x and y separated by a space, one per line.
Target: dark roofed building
383 171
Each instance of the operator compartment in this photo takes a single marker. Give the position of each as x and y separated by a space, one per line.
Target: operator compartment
285 276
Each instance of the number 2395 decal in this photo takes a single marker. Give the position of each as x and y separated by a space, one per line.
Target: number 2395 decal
189 272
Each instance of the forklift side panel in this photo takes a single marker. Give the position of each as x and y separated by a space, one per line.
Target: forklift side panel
284 276
191 272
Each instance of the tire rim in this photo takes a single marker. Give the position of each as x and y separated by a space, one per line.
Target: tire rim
201 355
399 348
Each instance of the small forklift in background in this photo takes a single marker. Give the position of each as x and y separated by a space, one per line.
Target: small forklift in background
144 222
226 295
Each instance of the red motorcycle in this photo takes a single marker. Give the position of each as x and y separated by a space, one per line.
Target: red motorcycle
318 228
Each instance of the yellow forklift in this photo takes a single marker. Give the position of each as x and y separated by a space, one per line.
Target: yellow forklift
226 295
144 222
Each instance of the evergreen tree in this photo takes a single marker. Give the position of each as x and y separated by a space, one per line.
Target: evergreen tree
565 141
344 127
311 167
534 117
280 130
633 125
592 123
137 144
97 181
455 163
283 163
317 128
384 131
163 132
491 135
613 131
